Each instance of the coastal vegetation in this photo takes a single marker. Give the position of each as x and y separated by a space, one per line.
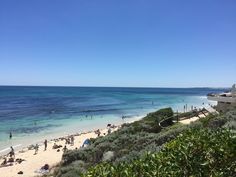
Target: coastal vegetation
143 148
196 152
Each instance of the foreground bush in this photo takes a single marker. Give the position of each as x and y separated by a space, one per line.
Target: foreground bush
195 153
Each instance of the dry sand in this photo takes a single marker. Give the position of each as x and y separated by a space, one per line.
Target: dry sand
188 121
192 119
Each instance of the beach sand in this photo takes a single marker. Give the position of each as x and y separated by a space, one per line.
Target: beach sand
193 119
188 121
50 156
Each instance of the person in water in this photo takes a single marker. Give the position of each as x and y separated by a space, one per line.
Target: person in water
10 135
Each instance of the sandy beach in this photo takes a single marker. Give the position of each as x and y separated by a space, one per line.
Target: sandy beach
51 156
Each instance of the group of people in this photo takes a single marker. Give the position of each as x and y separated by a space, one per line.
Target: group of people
109 126
97 132
36 147
70 140
11 158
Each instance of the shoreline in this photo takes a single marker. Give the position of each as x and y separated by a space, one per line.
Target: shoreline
22 143
50 156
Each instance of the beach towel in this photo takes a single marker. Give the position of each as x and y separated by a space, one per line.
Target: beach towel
42 171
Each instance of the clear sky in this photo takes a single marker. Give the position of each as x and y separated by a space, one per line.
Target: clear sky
156 43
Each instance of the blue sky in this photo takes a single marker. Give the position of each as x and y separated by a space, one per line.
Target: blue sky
156 43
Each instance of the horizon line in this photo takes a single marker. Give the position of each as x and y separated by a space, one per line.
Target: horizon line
112 86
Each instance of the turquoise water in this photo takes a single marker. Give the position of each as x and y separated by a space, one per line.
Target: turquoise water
35 113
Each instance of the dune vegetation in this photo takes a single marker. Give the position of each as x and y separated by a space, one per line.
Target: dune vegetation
206 147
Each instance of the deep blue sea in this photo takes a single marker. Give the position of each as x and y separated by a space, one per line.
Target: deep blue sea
32 113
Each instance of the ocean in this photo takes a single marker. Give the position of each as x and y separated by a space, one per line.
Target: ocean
35 113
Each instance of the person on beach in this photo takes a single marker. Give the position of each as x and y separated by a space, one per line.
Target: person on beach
97 132
113 126
43 170
55 146
67 140
109 130
64 149
72 140
36 148
4 162
45 145
45 167
12 153
10 135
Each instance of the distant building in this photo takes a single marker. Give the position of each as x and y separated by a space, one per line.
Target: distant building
225 101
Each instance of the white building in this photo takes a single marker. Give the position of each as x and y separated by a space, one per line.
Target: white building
225 101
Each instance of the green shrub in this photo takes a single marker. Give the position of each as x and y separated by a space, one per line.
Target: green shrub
200 152
159 115
186 115
197 152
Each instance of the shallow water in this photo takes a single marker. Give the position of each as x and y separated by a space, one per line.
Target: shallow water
35 113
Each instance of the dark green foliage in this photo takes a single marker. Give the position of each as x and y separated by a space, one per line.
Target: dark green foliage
197 152
187 114
200 152
159 115
75 169
209 120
